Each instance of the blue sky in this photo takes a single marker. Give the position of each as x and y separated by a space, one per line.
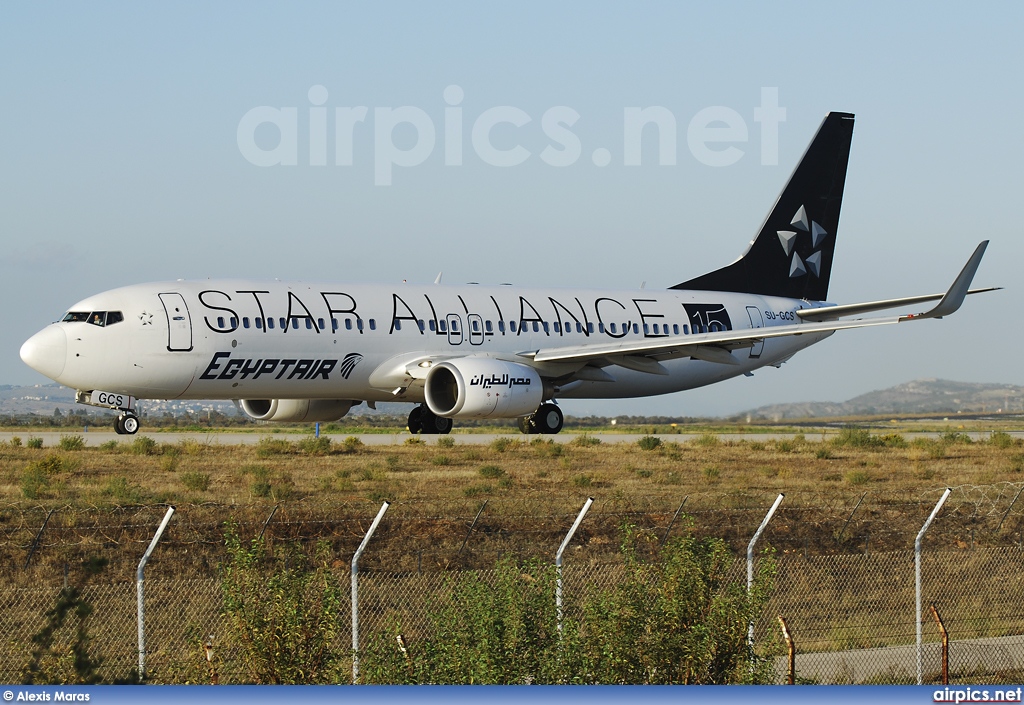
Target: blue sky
121 160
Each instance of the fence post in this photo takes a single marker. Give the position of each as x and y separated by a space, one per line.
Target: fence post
138 590
750 559
917 584
472 526
558 562
35 541
945 644
355 591
791 648
672 523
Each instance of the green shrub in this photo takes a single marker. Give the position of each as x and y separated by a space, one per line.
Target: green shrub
708 440
649 442
441 460
311 445
954 438
267 447
35 442
584 440
15 441
582 481
491 471
196 481
711 473
287 621
143 445
110 446
71 443
999 439
678 616
34 481
121 491
352 444
503 443
445 442
858 477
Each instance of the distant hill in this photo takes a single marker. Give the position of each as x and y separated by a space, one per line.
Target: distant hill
922 396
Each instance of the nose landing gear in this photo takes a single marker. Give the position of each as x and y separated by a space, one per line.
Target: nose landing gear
127 423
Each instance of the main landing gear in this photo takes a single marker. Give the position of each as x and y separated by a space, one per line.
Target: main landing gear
547 419
127 423
423 420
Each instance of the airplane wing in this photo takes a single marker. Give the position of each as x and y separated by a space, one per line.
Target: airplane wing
643 355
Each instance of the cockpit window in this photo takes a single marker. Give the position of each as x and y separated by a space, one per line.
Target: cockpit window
96 318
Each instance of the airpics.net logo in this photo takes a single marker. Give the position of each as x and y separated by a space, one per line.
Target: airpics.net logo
715 136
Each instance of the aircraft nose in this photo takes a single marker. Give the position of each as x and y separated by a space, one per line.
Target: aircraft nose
46 351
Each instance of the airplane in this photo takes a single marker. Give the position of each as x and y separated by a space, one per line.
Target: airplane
303 352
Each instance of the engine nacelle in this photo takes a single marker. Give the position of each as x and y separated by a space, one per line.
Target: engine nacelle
297 409
483 388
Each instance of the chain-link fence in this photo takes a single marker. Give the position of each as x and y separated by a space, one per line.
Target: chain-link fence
850 608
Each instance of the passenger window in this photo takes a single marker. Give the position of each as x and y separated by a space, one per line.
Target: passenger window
600 327
114 317
233 321
590 328
334 325
442 326
259 324
686 329
348 324
373 324
487 325
614 328
476 326
220 321
245 321
398 325
270 324
419 324
455 326
295 323
512 326
283 322
675 329
501 326
558 327
320 323
545 325
645 329
359 324
309 324
433 325
636 328
536 327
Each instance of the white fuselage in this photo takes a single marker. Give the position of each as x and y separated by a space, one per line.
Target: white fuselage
241 339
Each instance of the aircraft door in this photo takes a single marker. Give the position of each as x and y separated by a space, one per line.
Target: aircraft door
756 321
476 328
454 329
179 323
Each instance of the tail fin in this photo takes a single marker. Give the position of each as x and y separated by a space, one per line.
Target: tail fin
792 253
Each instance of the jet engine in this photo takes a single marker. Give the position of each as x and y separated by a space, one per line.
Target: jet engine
483 388
297 409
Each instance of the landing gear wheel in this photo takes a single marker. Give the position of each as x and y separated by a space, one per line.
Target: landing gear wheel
416 420
128 423
119 426
434 424
548 419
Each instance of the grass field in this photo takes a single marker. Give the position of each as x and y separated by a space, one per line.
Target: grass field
846 492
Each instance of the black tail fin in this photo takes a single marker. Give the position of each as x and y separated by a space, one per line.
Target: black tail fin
792 253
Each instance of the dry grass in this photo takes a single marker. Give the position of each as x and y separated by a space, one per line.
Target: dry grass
534 487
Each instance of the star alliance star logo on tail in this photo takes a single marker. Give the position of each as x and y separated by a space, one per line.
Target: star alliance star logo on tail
799 267
349 364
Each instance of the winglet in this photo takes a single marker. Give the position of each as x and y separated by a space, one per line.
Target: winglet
953 298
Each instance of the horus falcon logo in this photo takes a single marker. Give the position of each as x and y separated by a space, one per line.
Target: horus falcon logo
349 364
799 267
